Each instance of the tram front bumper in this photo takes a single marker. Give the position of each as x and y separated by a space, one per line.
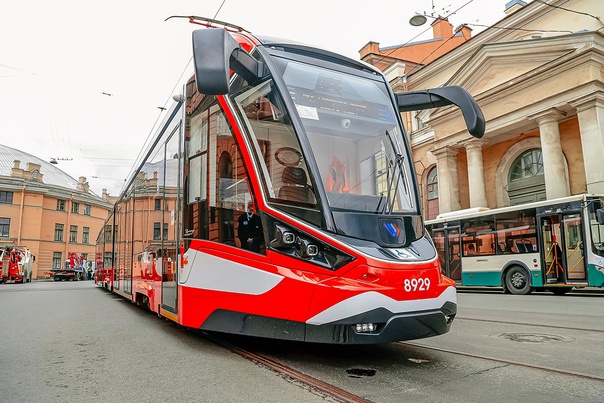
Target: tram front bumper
389 327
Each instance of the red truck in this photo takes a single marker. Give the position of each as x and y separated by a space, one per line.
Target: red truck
15 264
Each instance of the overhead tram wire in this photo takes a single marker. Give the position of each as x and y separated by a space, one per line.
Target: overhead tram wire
219 8
421 33
571 11
165 105
162 109
418 65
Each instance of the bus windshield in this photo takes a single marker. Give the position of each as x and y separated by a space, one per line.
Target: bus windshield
597 230
355 137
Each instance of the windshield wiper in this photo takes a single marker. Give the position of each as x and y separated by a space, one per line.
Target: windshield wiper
398 159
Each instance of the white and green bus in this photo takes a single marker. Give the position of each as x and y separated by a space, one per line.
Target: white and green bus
548 245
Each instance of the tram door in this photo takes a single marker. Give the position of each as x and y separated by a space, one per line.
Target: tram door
448 246
562 248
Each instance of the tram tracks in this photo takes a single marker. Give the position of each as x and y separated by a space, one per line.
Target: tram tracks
530 324
336 394
280 368
505 361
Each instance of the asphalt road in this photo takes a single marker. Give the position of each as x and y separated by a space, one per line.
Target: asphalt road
74 342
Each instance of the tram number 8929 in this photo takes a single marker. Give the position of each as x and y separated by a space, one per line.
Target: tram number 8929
417 284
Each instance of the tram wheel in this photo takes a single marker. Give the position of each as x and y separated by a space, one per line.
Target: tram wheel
517 281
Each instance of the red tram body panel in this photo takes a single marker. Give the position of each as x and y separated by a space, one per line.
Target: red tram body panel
278 200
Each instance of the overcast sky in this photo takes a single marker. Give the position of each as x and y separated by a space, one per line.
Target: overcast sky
82 80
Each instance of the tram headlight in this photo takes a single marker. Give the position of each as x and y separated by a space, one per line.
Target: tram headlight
295 243
365 327
283 237
305 248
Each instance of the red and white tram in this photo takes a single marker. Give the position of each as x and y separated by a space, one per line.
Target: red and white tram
313 142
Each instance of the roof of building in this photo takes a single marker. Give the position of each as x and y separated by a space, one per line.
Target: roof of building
51 175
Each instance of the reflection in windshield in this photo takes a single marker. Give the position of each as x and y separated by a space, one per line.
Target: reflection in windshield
355 138
285 173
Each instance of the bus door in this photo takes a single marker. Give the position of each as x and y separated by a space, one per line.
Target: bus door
448 246
562 248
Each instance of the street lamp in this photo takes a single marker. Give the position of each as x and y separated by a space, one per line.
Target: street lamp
55 161
418 20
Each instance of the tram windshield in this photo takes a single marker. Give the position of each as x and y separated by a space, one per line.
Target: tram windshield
354 137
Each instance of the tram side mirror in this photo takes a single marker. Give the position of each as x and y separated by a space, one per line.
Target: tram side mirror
215 54
600 216
437 97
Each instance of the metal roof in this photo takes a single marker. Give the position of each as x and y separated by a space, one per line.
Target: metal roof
52 175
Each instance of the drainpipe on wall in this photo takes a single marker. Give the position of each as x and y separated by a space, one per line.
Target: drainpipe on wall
21 214
67 230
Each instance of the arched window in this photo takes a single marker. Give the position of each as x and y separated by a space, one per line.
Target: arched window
432 194
527 165
526 182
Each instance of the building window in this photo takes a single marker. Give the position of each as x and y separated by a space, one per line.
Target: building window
157 204
57 260
58 232
6 197
527 165
165 234
432 194
4 227
108 233
73 233
86 209
60 204
75 207
156 231
526 180
107 259
86 235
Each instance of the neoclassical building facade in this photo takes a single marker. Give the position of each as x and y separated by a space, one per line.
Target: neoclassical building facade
47 211
538 75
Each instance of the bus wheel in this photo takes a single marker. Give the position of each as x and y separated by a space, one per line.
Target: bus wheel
560 290
517 281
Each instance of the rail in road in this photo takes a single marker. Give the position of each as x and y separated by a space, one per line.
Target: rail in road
501 348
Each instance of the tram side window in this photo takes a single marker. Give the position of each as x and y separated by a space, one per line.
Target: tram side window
217 181
478 237
197 150
274 142
516 233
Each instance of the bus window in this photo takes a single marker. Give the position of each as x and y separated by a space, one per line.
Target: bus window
478 237
516 233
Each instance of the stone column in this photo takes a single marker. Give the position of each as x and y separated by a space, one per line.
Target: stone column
556 182
478 194
448 182
590 112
